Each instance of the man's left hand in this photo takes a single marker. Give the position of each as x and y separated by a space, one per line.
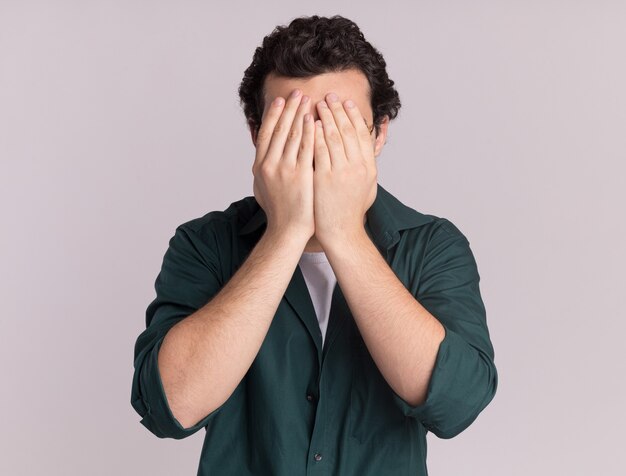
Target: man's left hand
345 175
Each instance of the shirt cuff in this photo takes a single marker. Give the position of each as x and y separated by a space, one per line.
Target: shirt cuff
152 403
462 383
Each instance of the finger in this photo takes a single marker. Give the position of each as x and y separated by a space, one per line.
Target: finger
359 122
290 153
282 128
331 135
321 153
268 122
346 129
305 151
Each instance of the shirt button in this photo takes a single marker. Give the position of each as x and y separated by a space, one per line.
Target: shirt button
309 397
317 457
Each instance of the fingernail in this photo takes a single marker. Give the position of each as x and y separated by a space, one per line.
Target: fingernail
322 104
332 97
295 93
349 103
278 101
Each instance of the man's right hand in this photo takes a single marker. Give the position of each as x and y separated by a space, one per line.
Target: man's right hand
283 166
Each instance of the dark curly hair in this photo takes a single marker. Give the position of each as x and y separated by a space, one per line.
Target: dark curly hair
316 45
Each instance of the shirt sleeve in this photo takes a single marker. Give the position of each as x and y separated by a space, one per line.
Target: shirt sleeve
189 277
464 378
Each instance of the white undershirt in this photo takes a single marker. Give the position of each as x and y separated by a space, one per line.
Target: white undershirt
321 280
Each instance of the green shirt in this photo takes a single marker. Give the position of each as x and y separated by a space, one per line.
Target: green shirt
304 409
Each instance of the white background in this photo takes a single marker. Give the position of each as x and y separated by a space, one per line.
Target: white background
121 120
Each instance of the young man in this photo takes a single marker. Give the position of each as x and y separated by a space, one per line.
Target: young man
321 326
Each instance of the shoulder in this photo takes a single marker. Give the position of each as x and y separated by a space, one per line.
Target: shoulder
445 226
403 218
434 228
222 223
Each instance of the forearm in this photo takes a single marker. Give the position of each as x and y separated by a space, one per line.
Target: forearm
205 356
401 335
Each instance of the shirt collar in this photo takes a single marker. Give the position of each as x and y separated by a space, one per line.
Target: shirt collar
385 218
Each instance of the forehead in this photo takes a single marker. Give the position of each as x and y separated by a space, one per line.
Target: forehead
346 84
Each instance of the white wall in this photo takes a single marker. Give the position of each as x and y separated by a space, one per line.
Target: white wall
120 120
